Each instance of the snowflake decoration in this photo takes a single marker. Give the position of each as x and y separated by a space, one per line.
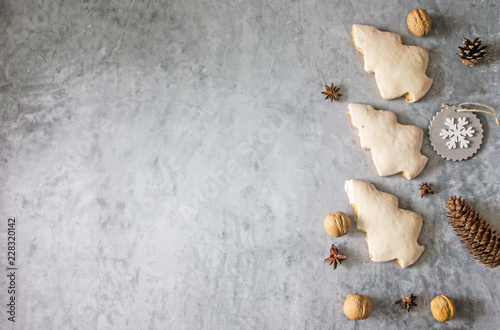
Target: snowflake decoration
457 133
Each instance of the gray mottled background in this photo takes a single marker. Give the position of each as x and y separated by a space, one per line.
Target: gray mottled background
170 164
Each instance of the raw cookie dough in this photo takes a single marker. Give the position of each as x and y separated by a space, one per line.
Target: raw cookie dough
394 147
391 232
399 69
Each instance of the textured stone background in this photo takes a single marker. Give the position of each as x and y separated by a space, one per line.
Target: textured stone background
170 164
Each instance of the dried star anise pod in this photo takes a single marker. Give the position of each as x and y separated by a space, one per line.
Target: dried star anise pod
335 258
332 93
407 302
425 188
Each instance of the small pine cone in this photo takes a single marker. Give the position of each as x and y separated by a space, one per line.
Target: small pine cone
482 241
472 51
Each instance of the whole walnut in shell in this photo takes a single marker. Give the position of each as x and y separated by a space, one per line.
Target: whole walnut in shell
357 307
337 224
419 22
442 308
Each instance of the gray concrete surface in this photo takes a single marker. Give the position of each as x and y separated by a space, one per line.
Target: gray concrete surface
169 164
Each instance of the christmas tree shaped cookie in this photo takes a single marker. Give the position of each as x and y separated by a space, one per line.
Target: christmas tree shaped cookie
395 148
399 69
391 232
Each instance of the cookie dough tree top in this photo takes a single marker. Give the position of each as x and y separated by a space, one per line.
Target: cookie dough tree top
399 69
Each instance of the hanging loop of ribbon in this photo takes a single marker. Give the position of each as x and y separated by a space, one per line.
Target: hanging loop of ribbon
492 112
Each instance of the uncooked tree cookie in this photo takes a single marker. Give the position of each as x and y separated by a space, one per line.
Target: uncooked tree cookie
395 148
399 69
391 232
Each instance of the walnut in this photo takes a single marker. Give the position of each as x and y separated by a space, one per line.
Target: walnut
419 22
357 307
337 224
442 308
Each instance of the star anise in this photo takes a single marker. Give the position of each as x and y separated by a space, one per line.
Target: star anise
335 258
407 302
332 93
425 188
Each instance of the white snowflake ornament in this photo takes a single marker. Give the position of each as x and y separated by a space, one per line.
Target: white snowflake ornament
455 135
457 132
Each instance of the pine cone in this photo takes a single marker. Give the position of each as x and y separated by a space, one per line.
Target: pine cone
472 51
482 241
